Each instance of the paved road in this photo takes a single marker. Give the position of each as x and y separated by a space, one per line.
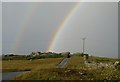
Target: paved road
63 63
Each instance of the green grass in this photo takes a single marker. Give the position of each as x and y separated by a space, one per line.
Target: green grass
69 74
76 62
0 65
53 74
45 69
27 65
103 59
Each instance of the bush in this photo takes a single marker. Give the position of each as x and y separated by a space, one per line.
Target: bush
66 54
79 54
102 60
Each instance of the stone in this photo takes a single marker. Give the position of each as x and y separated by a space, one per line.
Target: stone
117 64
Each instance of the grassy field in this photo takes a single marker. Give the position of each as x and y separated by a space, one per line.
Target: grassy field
28 65
76 62
0 65
76 69
94 73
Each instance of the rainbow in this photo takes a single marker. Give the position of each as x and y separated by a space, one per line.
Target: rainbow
61 27
24 26
57 35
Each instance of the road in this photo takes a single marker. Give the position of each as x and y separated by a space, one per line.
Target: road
63 63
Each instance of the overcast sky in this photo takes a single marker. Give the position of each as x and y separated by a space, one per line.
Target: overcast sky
29 27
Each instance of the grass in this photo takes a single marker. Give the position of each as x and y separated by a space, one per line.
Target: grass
53 74
69 74
103 59
27 65
45 69
0 65
77 63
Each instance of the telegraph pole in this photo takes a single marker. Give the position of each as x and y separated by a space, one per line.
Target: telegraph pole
83 45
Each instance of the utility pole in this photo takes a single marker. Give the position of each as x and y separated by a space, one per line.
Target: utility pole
83 45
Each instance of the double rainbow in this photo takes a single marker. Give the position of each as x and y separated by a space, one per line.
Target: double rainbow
57 35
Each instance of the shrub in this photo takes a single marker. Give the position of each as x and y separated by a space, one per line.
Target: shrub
66 54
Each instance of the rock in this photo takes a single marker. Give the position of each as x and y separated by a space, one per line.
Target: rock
117 64
82 73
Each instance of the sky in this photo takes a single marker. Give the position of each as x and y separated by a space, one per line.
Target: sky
29 27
